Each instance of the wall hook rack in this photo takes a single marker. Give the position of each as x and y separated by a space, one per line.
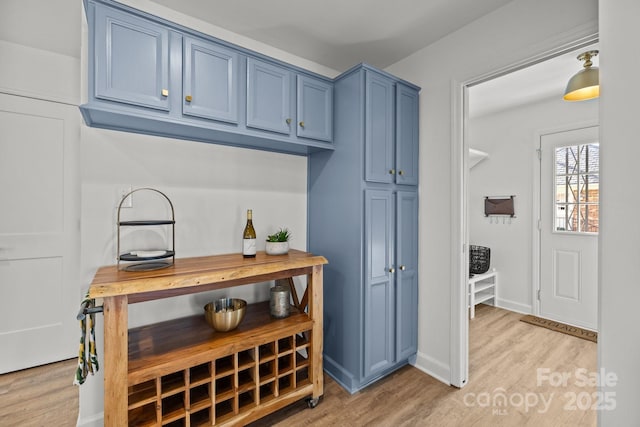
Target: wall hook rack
499 206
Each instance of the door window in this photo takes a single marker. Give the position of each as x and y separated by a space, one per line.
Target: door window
577 188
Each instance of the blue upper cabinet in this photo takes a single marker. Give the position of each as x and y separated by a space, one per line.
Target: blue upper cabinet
391 135
379 135
132 60
211 80
407 124
152 76
314 109
268 97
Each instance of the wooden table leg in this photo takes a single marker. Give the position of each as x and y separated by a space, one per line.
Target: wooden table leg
115 361
314 292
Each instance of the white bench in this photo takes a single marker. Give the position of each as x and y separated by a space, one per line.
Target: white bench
482 288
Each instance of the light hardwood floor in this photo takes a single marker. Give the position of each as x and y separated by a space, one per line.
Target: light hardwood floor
505 355
42 396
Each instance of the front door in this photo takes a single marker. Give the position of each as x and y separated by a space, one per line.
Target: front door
569 203
39 232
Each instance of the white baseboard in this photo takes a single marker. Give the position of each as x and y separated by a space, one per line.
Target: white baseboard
514 306
93 421
434 368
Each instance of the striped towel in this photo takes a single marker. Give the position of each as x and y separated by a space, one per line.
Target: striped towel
87 355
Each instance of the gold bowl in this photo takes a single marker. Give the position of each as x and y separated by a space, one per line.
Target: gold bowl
225 314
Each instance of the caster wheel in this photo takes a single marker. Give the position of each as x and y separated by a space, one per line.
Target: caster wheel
312 403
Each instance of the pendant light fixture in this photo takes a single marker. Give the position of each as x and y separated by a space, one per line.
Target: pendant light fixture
585 84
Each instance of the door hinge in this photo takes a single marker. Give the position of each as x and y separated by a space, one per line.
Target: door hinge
538 294
539 224
539 151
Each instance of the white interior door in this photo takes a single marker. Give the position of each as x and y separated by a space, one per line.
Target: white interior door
39 232
569 196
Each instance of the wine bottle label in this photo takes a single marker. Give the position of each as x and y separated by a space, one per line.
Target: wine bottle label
248 246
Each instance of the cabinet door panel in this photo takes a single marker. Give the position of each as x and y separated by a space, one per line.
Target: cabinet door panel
379 306
268 97
314 109
379 129
407 277
210 81
132 60
406 135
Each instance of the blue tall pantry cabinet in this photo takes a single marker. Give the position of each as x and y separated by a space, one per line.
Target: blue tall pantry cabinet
363 217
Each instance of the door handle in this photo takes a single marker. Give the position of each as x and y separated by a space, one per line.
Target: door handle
392 270
403 268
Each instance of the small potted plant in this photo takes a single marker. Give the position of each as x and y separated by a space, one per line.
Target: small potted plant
278 243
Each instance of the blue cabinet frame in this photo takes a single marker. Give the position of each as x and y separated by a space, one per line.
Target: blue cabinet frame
152 76
364 220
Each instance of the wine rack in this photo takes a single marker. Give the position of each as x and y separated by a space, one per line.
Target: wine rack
174 381
183 373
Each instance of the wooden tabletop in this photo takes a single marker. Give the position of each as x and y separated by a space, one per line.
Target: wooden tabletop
190 274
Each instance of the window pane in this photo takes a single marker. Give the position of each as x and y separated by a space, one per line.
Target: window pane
566 160
589 157
573 188
577 188
561 222
590 218
589 188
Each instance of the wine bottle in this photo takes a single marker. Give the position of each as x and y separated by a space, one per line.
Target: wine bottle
249 237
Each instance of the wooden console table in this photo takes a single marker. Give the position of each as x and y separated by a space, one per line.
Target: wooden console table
181 370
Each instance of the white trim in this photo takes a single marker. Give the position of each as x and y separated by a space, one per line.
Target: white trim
459 326
536 205
575 38
96 420
432 367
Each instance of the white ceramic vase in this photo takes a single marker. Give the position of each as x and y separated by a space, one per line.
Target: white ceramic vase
277 248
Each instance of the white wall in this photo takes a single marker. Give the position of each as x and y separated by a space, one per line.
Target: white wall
619 342
510 139
509 35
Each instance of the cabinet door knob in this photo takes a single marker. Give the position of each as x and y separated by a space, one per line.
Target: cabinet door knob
165 92
301 124
392 270
400 172
188 98
403 267
392 171
288 121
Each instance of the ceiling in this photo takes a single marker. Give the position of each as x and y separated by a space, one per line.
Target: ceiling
544 80
340 33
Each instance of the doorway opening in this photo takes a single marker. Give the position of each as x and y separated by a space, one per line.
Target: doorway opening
505 152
